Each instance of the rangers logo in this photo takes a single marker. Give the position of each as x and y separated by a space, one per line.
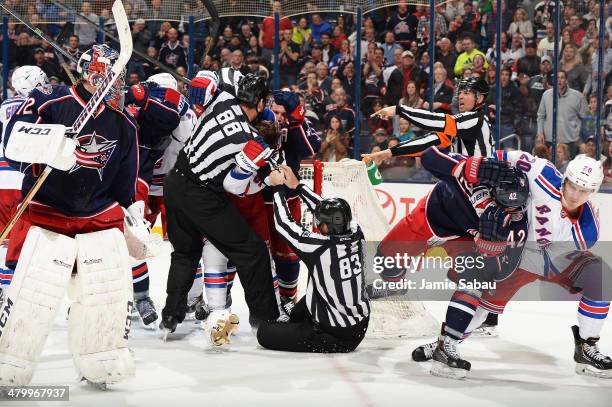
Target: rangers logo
93 152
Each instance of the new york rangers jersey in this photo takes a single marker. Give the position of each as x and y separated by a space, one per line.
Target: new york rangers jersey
554 238
10 178
106 168
177 140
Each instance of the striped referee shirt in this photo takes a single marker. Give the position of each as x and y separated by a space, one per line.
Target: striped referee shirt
468 133
221 133
335 295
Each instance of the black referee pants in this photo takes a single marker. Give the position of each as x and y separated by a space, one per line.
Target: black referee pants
302 335
194 211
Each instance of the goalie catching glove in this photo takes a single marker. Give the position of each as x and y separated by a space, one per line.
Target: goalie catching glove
39 143
141 243
254 155
493 231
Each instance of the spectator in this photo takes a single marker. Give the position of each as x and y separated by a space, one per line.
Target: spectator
238 64
467 56
149 68
538 83
517 49
372 79
403 132
253 48
301 32
526 126
141 37
226 58
528 65
546 46
380 138
393 79
323 79
389 47
454 8
443 94
478 66
412 99
376 123
589 121
591 85
328 50
505 54
335 145
133 79
541 151
162 35
447 56
562 157
403 25
521 24
571 108
314 96
338 37
73 50
411 72
607 166
342 57
510 106
289 54
341 111
172 52
48 67
490 20
575 26
266 34
566 39
256 67
347 78
470 19
86 32
571 63
318 27
590 148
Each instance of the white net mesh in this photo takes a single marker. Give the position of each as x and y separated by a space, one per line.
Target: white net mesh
348 179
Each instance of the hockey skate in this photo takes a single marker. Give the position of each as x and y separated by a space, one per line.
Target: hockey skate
220 326
425 352
168 325
197 309
589 360
99 386
447 361
488 329
146 310
285 310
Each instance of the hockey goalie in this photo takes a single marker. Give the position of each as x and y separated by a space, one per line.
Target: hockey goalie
70 239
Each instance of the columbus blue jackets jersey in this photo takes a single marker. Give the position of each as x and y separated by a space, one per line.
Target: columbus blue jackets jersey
107 154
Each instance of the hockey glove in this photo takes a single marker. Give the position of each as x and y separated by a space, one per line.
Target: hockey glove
487 171
253 155
137 95
293 107
493 231
141 243
165 94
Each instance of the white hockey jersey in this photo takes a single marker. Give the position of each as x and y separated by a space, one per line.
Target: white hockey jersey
178 138
9 177
555 240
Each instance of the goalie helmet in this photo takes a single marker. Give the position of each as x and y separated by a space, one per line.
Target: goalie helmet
512 195
585 172
93 66
335 213
164 80
26 78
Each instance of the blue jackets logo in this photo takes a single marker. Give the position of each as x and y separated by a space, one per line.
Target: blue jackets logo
93 152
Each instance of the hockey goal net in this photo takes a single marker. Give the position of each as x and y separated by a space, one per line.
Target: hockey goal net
391 317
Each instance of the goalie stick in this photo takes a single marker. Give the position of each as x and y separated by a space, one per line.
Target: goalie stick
214 28
125 41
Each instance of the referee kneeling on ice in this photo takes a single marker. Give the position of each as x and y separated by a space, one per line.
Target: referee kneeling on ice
333 316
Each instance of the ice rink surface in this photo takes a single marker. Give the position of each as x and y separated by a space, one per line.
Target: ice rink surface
529 364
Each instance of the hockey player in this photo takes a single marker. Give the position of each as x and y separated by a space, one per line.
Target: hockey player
563 226
333 316
77 217
24 80
157 107
468 132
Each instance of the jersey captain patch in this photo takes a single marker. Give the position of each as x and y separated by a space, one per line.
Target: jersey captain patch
93 152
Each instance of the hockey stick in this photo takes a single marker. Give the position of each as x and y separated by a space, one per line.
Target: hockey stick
38 32
60 58
125 41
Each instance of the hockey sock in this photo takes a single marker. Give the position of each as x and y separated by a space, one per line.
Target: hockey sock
196 287
215 285
288 272
6 274
591 317
140 280
459 313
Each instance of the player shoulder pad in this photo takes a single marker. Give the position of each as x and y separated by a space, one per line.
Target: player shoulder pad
45 94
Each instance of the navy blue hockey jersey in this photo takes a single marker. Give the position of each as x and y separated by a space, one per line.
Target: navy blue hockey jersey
107 154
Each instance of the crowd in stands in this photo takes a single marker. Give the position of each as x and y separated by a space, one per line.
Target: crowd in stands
317 59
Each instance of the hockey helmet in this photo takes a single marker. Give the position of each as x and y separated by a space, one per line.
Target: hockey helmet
585 172
252 89
514 194
93 66
335 213
476 85
164 80
26 78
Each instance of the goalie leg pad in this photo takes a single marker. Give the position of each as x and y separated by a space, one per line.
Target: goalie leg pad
32 301
99 321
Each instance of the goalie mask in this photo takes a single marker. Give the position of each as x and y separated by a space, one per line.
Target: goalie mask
94 65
